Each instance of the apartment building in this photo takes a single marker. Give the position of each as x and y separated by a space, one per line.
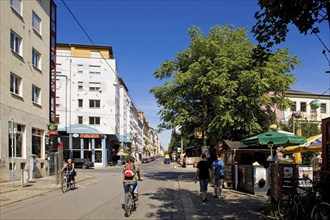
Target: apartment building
27 58
88 102
125 120
302 102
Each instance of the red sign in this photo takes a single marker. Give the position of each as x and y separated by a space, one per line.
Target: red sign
90 136
52 132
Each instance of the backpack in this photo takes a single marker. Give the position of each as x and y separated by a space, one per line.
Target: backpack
219 165
129 171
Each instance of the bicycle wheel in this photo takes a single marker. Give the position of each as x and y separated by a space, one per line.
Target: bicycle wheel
73 184
287 208
63 187
321 211
128 205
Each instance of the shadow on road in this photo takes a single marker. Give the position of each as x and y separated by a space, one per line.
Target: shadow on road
169 176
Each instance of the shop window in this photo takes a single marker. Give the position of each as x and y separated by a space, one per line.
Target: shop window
37 135
16 139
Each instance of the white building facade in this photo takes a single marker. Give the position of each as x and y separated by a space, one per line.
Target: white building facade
302 103
88 101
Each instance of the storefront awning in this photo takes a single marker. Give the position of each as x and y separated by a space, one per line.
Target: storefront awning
80 129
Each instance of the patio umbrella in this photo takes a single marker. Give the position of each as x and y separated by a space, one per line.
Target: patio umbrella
313 144
277 138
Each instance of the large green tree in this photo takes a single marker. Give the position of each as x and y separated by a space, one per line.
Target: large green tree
217 84
275 16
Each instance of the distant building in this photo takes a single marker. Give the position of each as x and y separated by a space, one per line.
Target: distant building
302 103
27 62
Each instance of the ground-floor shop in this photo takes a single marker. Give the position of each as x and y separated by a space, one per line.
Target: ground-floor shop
23 142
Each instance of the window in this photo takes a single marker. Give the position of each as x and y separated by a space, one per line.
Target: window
313 110
57 101
58 86
16 5
15 43
95 54
94 86
80 103
80 68
303 106
293 107
37 135
80 86
35 94
94 69
36 58
36 23
80 120
323 108
57 119
94 103
15 84
17 139
64 53
94 120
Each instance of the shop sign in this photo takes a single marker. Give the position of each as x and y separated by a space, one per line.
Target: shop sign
90 135
75 135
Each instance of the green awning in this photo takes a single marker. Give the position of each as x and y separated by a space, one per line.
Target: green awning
277 138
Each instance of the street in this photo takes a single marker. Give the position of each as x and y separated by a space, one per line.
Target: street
101 197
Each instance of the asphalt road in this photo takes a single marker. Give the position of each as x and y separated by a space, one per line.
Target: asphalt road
102 197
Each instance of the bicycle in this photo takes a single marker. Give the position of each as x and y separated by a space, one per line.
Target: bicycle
66 186
305 199
130 204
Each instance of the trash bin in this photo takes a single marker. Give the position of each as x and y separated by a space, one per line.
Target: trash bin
119 162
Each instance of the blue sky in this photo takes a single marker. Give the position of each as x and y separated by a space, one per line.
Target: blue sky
144 34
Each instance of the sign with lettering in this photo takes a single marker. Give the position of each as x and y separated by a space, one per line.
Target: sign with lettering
90 135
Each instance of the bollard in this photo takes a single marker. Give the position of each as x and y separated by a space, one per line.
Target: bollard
56 167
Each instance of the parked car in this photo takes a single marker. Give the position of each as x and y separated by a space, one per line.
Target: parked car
82 163
152 158
145 160
167 161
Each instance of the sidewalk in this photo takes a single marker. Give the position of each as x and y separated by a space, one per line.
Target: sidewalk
37 187
232 205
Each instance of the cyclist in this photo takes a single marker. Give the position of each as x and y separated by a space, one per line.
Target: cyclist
127 181
70 172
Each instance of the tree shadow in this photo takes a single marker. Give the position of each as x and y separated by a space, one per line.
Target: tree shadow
185 202
169 176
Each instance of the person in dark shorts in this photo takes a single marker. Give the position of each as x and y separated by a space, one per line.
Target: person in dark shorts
203 175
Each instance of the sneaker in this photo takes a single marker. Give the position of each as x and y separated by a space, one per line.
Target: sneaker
204 201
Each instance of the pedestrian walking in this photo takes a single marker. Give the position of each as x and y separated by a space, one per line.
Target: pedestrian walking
218 175
203 175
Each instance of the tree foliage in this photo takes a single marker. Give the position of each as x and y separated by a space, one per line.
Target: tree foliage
217 84
275 16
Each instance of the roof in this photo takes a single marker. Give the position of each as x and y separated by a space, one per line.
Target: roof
232 144
303 94
80 129
86 46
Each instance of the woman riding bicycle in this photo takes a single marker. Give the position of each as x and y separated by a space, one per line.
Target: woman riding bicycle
70 172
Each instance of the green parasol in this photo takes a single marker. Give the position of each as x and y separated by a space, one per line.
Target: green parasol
277 138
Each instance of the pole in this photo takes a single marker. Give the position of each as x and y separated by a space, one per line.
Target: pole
12 152
70 134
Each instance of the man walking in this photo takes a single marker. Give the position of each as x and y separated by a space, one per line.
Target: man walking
218 174
203 174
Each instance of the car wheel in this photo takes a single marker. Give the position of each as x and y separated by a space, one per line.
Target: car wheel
84 166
